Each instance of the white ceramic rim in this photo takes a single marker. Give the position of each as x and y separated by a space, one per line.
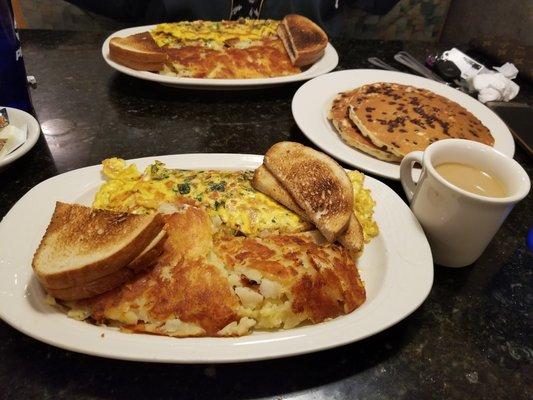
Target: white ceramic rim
327 63
34 129
471 145
406 280
312 100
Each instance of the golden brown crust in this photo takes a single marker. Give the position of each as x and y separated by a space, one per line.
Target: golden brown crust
350 133
405 118
262 60
138 48
319 185
83 244
96 287
108 282
322 281
139 66
319 281
304 40
352 238
182 285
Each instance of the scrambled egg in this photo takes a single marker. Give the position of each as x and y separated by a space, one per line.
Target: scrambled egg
231 201
213 34
228 196
363 205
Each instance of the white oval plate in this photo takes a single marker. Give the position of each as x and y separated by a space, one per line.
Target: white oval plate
396 267
312 101
20 118
327 63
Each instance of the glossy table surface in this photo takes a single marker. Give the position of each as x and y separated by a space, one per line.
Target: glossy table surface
470 339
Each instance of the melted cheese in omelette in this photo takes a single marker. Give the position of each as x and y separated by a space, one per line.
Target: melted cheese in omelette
228 196
231 201
214 34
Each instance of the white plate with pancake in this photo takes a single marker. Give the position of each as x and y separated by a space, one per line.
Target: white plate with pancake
327 63
397 270
312 101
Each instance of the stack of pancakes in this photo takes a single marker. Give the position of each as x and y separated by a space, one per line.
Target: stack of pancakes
388 120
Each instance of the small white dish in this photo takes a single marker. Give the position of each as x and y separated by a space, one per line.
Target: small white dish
312 101
397 270
327 63
19 119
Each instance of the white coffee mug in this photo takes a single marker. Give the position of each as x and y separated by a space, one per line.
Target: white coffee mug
458 224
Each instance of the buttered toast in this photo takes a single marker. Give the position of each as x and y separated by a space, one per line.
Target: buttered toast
352 238
82 244
317 183
304 40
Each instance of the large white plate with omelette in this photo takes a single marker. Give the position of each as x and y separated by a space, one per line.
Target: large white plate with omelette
312 101
396 266
328 62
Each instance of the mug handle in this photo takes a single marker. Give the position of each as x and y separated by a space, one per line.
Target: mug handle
406 169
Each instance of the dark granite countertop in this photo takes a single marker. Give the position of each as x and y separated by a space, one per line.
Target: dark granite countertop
471 339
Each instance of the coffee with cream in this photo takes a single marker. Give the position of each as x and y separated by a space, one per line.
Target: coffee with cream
472 179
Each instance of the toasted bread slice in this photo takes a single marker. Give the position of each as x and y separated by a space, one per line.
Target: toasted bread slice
139 66
143 261
318 184
82 244
304 40
138 51
352 238
267 183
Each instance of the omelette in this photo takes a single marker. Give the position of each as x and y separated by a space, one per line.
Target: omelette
242 49
214 34
234 206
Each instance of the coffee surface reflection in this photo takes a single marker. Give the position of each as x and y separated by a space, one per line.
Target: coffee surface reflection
472 179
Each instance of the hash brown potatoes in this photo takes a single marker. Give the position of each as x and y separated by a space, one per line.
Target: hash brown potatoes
224 286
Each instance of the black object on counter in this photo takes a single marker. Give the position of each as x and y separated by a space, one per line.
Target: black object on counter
447 70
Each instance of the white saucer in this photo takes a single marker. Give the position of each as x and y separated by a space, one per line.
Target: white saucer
20 118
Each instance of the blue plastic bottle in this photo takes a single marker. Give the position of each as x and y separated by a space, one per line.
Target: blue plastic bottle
13 81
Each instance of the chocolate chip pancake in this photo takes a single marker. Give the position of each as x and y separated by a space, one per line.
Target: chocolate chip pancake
405 118
350 133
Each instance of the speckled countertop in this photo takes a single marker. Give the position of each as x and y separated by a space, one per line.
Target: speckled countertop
471 339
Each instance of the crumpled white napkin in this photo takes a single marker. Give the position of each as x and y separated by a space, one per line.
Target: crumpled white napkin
496 86
508 70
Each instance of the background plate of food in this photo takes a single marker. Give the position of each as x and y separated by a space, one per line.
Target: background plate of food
223 54
236 253
371 118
